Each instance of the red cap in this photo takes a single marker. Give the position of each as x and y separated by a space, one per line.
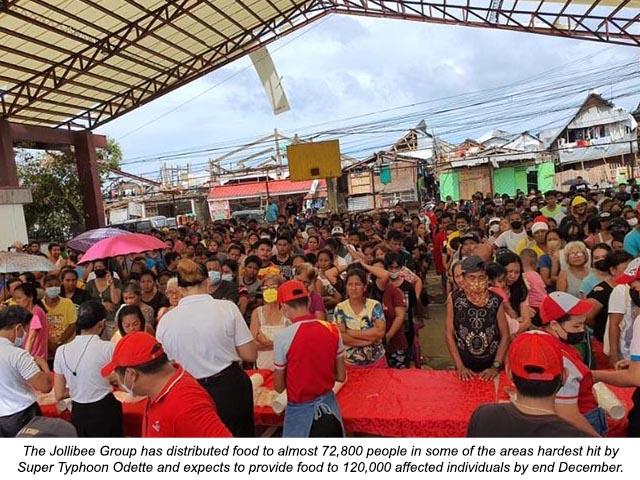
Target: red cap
132 350
541 218
535 355
631 273
559 304
292 290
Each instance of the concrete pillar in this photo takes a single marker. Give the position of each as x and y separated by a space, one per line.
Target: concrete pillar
14 227
87 164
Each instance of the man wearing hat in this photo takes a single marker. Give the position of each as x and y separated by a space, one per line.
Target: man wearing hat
468 242
537 241
578 212
534 365
308 360
512 237
563 316
178 406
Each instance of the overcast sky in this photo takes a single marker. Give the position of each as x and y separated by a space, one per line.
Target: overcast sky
342 67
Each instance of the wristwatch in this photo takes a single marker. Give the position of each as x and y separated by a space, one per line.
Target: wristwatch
497 365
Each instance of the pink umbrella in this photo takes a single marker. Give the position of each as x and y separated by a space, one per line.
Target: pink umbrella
122 245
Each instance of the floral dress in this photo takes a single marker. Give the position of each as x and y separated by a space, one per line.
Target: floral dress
364 320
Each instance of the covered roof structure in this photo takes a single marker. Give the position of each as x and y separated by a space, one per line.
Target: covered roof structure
77 64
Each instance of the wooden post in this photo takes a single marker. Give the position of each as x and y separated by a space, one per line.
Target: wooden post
87 165
8 169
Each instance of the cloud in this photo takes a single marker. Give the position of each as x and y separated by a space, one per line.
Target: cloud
341 67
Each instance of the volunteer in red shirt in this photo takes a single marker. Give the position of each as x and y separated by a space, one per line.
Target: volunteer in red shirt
563 316
178 406
308 361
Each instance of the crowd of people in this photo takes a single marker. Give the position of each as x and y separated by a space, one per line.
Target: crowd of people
544 285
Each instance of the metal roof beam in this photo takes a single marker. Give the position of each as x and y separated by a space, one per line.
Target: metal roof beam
83 61
184 72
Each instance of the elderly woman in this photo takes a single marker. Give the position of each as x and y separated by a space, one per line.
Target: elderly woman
577 268
174 294
266 321
362 324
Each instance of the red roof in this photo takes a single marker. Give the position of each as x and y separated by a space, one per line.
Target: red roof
255 189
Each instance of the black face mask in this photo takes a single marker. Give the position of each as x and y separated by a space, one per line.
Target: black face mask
601 266
100 273
517 225
574 338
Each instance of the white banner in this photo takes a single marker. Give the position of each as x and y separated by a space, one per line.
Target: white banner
355 458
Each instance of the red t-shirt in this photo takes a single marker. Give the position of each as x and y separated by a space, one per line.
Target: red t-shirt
308 350
438 242
579 382
183 409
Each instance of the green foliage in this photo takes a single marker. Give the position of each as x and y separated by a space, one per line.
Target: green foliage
56 209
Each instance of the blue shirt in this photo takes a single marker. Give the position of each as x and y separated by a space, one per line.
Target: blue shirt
632 242
272 213
588 284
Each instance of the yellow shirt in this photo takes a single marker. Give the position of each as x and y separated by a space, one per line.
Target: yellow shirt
526 243
60 317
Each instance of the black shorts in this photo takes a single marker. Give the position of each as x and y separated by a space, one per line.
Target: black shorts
98 419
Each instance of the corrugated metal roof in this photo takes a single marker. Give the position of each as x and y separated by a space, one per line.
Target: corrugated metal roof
258 189
79 63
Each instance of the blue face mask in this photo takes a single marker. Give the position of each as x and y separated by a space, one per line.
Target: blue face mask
214 277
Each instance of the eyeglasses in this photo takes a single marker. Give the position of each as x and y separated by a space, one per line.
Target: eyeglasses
576 254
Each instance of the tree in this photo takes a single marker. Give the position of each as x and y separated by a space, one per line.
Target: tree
56 209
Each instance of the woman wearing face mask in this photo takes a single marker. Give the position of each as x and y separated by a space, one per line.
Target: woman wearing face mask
517 292
476 329
95 411
599 269
494 230
218 341
577 260
61 314
222 285
616 262
108 290
563 316
20 373
266 321
37 338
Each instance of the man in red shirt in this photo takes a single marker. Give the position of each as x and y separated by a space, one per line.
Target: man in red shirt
563 316
178 406
308 359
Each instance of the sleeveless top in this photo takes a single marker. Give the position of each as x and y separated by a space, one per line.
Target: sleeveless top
573 283
265 357
476 330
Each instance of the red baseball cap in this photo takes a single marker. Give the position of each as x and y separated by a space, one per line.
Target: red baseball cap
535 355
631 273
542 219
134 349
292 290
559 304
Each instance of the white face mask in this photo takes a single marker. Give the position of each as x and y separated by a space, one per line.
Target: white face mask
19 339
129 390
632 222
495 228
534 208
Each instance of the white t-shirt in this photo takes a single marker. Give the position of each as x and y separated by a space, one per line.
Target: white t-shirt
202 334
620 302
16 367
88 385
570 390
634 347
510 239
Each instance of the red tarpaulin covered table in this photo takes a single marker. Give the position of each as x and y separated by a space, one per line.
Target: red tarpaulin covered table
392 403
